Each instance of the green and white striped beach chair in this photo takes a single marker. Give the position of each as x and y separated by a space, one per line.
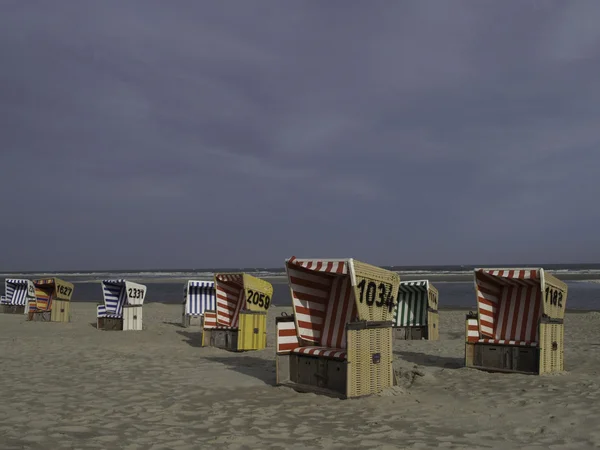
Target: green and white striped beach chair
416 314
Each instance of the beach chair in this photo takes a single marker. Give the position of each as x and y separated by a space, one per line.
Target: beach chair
17 295
519 324
239 322
416 314
122 308
52 301
338 341
198 297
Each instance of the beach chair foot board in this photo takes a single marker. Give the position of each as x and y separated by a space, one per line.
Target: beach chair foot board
552 353
61 311
433 326
110 324
12 309
40 316
370 354
132 318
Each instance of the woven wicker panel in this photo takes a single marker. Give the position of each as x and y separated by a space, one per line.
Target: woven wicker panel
469 355
561 347
551 358
252 333
61 311
433 325
376 292
433 297
554 294
369 361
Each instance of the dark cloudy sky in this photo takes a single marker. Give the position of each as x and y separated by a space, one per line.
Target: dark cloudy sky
193 134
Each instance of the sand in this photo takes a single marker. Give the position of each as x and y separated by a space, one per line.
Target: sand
70 386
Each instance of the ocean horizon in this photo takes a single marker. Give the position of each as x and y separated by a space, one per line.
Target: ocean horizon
454 283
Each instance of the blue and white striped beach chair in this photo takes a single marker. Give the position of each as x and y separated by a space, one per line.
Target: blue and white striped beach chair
122 308
18 294
198 297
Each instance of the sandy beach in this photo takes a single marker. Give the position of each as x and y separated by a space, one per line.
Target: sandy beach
69 386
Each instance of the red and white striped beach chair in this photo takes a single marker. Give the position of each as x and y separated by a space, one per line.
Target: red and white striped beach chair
519 325
339 339
52 302
240 320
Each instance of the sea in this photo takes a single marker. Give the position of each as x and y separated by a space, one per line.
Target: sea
454 283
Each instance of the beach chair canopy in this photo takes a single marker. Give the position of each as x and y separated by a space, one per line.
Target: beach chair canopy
510 303
18 292
230 299
414 297
199 297
48 289
119 293
327 295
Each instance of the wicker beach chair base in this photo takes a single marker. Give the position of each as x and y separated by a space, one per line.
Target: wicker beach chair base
12 309
110 324
40 316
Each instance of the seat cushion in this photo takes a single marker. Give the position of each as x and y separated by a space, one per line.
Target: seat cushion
507 342
323 352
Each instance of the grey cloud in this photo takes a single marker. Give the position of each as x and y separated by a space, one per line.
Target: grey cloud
155 135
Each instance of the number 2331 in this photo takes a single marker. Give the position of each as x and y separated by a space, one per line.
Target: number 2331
135 293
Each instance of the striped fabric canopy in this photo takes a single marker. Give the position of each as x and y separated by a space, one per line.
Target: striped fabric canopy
199 297
230 299
114 298
43 298
323 300
509 302
411 309
17 291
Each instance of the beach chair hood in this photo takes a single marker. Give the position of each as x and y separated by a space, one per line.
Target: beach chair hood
18 291
510 302
199 296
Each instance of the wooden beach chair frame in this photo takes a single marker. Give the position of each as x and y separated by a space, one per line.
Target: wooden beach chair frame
198 297
338 341
519 324
122 307
17 295
239 322
416 314
52 300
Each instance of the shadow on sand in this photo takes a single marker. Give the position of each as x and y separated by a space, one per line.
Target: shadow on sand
423 359
175 324
193 338
260 368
